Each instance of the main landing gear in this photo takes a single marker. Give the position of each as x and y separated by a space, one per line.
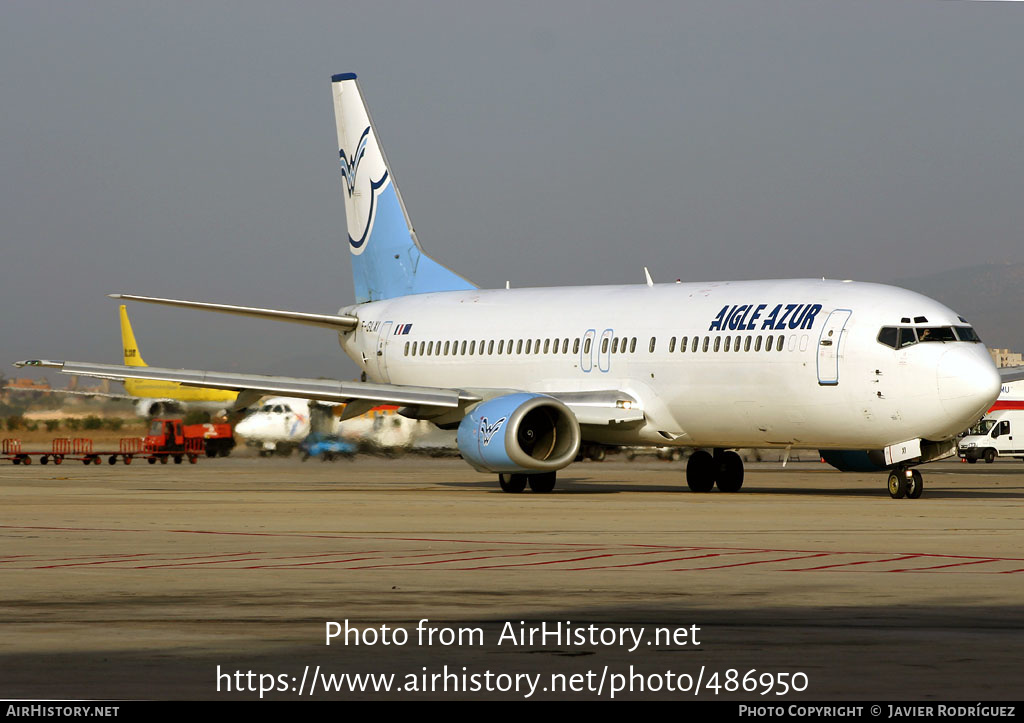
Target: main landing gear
539 482
724 468
904 482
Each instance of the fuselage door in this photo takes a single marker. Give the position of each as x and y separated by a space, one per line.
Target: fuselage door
382 346
587 351
604 350
828 346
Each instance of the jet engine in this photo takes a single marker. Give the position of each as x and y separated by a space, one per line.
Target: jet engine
519 433
156 408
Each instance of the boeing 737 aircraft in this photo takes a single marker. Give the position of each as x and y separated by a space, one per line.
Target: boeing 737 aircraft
526 375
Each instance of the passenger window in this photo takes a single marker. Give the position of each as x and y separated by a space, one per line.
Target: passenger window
565 345
519 347
632 345
682 345
407 348
778 342
536 346
718 343
728 341
586 346
462 350
757 344
472 347
696 341
653 344
615 345
736 343
746 346
576 346
706 339
604 345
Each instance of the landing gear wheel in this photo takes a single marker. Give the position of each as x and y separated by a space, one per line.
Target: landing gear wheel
915 485
113 459
44 459
700 472
543 483
177 459
151 460
729 472
897 485
512 482
990 456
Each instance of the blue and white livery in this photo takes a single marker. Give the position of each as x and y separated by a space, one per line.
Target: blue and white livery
872 375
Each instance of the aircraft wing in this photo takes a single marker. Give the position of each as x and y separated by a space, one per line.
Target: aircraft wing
591 407
80 392
1011 374
328 390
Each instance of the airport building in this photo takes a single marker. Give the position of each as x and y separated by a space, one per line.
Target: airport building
1007 358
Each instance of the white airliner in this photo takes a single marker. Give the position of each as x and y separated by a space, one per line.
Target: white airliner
277 426
869 374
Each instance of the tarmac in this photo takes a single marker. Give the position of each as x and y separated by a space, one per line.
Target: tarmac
212 581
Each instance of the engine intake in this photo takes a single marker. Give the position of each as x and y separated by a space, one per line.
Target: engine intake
519 433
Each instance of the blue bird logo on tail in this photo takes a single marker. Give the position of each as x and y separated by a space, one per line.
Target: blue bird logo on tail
350 171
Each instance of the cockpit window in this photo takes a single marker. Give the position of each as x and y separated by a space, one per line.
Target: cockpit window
907 337
966 333
936 333
898 337
887 336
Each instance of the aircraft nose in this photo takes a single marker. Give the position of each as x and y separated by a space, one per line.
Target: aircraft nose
968 382
245 426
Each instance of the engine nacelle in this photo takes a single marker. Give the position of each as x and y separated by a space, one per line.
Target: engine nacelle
519 433
156 408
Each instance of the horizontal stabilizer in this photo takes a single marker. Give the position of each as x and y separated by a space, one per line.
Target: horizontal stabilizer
342 322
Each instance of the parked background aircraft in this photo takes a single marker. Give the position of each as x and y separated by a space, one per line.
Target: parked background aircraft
525 375
280 424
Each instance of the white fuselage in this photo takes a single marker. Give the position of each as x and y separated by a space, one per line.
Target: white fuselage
827 382
278 420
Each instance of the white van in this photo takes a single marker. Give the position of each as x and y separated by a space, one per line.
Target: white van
994 437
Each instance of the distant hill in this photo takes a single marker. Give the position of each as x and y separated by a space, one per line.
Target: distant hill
991 297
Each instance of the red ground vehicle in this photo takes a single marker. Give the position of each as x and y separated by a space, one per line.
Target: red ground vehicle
171 439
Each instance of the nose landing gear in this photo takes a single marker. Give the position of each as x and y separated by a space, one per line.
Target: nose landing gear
905 482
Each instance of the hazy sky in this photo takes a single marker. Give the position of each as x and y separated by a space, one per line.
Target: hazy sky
188 150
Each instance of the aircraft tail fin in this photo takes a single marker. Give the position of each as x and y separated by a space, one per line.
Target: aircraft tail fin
387 260
132 356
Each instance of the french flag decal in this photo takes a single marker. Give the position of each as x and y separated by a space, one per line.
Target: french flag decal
402 329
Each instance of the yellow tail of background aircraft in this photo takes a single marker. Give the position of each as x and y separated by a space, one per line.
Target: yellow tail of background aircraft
165 395
157 398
